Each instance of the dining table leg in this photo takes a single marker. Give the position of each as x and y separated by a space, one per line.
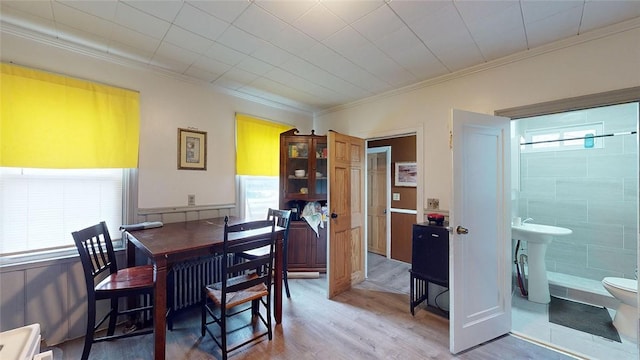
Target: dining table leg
160 310
277 287
159 300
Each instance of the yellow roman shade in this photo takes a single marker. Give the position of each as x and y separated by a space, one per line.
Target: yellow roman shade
54 121
258 146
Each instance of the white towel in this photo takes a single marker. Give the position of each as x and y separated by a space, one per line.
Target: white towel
312 214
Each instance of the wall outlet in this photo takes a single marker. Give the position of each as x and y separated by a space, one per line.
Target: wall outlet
396 196
433 204
191 200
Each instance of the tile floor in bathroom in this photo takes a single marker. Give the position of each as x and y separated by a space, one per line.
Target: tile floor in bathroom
531 320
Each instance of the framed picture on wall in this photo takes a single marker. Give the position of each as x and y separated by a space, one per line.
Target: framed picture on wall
192 149
406 174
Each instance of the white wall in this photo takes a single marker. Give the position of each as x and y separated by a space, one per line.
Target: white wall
601 64
166 104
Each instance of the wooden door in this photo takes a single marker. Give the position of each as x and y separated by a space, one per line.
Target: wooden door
378 177
480 243
346 247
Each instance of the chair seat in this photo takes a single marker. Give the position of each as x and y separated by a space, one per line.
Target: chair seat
258 252
239 297
128 279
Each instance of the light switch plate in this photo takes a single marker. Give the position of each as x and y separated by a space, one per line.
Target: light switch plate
191 200
396 196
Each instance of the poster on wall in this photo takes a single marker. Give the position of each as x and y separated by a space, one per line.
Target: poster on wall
192 149
406 174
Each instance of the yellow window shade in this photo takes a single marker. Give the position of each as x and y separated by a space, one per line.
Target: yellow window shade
258 146
53 121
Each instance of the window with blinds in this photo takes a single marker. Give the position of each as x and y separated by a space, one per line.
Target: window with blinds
257 165
42 207
66 147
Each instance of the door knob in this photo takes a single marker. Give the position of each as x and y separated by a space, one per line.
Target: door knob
462 230
334 215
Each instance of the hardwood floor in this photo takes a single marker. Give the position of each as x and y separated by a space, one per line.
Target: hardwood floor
389 275
367 322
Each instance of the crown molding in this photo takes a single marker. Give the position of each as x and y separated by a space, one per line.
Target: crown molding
523 55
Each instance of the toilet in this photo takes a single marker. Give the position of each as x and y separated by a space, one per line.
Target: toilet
626 291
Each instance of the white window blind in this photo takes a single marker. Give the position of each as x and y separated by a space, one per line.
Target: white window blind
42 207
257 194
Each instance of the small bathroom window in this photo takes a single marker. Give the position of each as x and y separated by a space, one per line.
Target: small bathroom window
562 138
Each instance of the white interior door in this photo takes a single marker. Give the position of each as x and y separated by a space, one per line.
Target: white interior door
480 245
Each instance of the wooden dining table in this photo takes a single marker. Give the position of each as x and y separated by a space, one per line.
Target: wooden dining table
176 242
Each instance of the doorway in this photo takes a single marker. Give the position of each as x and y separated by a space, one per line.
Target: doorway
597 199
384 270
402 203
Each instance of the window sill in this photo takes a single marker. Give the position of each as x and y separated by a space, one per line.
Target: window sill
41 259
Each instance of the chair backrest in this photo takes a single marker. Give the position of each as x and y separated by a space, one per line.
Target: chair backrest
96 252
243 237
282 219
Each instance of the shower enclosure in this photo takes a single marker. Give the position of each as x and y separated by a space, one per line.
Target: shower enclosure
579 170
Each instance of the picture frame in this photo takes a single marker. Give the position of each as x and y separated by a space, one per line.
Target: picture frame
192 149
406 174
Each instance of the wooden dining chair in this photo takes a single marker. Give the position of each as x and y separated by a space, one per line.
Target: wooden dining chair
105 282
282 219
242 283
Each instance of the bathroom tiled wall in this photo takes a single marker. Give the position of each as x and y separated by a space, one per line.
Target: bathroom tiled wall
593 191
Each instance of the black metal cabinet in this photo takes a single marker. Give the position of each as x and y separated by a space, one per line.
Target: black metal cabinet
429 260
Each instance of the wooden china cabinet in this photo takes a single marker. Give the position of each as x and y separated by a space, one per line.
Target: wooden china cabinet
303 179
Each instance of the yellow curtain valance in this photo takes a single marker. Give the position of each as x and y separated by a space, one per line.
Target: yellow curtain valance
54 121
258 146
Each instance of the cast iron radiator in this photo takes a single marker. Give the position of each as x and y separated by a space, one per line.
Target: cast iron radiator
187 279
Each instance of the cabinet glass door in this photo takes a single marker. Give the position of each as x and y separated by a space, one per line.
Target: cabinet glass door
297 167
320 169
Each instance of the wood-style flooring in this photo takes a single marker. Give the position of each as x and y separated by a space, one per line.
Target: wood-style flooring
371 321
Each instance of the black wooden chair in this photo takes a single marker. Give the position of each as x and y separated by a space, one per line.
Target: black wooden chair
242 283
282 219
98 260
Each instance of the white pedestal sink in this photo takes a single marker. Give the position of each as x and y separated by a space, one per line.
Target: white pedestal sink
537 237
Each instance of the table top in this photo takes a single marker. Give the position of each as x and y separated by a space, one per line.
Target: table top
172 239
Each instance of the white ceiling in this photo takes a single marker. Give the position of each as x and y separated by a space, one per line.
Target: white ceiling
312 55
